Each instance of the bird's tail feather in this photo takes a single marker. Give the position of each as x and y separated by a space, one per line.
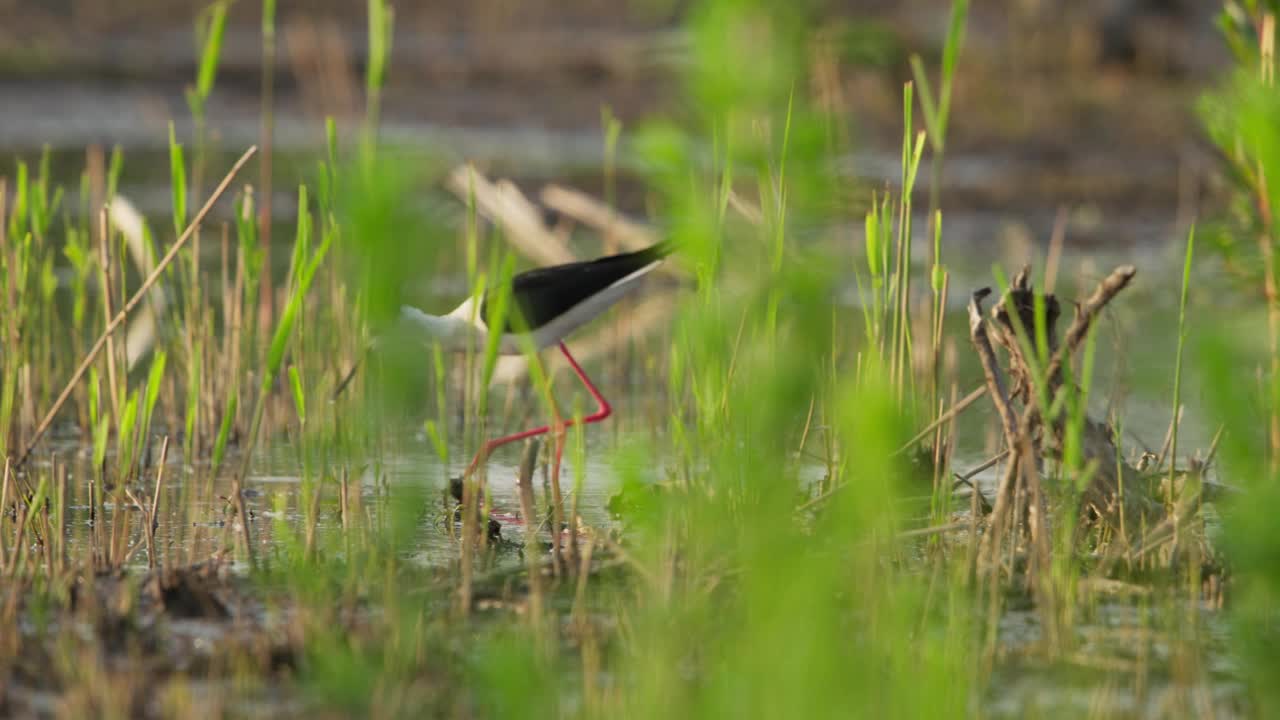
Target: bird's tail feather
660 250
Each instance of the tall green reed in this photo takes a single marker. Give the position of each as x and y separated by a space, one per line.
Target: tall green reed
267 142
730 575
210 28
302 271
381 19
1242 117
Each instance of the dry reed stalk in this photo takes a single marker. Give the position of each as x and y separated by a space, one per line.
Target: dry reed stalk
119 548
935 340
1273 341
988 558
12 336
574 522
524 482
95 515
152 521
16 554
343 508
579 609
46 528
950 440
557 499
470 487
104 267
60 479
359 513
26 409
901 332
1168 440
4 503
195 330
95 167
1266 241
934 530
137 297
1057 239
938 466
1040 570
587 640
1001 510
236 321
971 547
267 140
144 542
228 299
313 517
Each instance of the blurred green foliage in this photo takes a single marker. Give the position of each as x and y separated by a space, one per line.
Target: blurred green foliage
1243 119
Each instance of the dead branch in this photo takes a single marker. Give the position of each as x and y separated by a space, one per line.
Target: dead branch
990 365
1114 493
960 406
1015 317
991 541
1086 313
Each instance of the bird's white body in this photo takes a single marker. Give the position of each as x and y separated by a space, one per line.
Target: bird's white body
464 328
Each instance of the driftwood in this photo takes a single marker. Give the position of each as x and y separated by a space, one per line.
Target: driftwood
1034 422
503 204
594 214
1020 486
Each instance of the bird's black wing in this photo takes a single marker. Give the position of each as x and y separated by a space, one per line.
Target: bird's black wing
540 296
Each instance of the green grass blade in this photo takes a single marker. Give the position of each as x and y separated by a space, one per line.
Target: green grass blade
178 180
1177 363
210 30
299 399
224 433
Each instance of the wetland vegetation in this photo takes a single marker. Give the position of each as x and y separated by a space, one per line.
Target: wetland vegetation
857 467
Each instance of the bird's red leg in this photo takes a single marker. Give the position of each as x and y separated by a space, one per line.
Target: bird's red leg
603 411
492 445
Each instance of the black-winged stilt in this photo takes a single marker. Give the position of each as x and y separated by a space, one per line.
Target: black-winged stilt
546 305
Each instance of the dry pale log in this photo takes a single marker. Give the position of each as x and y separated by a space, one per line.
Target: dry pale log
599 217
503 204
